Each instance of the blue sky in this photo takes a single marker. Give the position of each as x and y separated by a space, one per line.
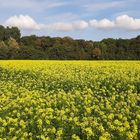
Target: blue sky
85 19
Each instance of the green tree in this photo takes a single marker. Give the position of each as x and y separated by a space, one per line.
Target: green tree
13 48
3 50
2 32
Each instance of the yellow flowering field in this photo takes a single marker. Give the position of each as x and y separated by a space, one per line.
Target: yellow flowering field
69 100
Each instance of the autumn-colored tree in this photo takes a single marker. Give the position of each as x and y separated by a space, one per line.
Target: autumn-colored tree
96 53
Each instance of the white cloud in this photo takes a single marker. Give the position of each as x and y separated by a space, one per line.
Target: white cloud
102 24
24 22
28 23
62 26
123 22
80 25
127 22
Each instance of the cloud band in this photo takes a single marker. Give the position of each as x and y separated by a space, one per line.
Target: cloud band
123 22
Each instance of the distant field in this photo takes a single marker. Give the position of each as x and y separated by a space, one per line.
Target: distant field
69 100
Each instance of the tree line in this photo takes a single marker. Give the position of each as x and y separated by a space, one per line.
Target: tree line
13 46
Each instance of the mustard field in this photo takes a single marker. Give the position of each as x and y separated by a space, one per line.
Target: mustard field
69 100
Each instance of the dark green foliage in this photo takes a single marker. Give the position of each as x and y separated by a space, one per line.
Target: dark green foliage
14 32
2 32
12 46
3 51
7 33
30 53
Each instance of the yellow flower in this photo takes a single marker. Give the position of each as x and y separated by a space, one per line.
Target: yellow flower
102 138
88 131
22 123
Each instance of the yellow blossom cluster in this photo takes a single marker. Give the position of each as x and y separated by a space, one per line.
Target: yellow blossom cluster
69 100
